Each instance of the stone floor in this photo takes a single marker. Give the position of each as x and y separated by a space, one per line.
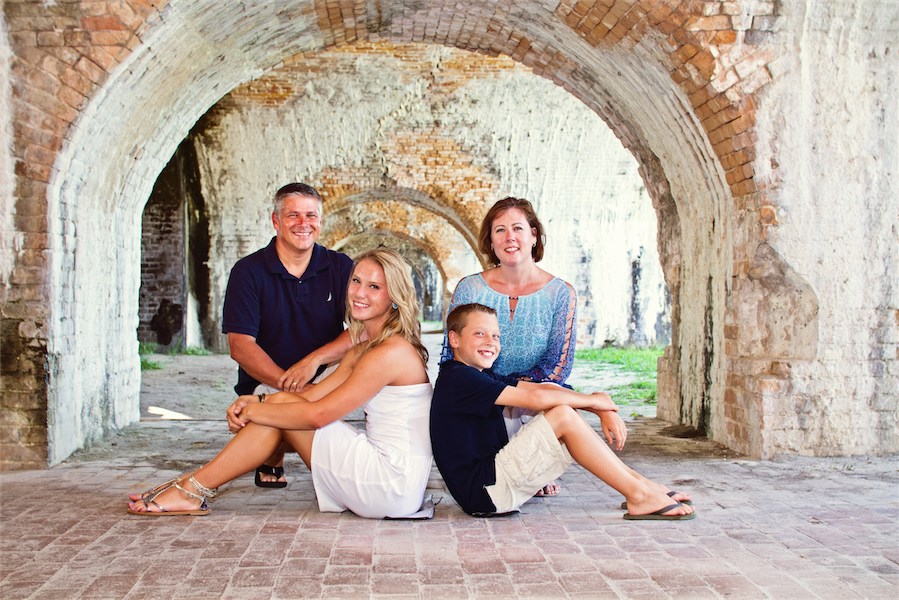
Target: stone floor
790 528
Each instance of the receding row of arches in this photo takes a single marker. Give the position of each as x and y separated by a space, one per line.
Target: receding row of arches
604 239
178 67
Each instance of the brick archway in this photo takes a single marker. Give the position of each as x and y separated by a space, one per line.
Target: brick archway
111 97
402 211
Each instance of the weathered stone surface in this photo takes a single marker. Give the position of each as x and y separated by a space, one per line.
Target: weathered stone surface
443 134
776 311
778 128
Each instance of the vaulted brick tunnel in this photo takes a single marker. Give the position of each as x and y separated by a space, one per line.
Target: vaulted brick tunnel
457 128
102 94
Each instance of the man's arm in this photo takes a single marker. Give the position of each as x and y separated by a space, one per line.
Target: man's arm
254 360
301 373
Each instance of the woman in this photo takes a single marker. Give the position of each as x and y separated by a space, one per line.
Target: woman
537 311
380 473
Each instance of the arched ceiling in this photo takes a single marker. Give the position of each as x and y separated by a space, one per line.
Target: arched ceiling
449 250
648 67
196 52
465 225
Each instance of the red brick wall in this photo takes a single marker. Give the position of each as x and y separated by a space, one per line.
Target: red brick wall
715 53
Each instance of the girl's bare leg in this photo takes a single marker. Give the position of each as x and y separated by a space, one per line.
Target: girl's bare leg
246 450
301 441
277 458
587 448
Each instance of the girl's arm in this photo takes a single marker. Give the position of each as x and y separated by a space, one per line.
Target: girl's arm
304 370
319 390
387 364
236 412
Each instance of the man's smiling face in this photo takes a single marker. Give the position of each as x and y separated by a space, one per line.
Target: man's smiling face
299 222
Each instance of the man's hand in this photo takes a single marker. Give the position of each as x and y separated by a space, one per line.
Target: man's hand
614 428
296 377
236 414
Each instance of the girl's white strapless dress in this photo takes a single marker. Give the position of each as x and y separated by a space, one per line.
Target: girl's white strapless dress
384 470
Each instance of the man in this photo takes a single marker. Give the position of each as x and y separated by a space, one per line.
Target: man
284 308
485 471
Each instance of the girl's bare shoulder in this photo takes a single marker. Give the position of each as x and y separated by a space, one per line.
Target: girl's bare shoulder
397 359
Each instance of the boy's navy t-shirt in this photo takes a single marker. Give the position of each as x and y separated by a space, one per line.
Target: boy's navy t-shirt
467 430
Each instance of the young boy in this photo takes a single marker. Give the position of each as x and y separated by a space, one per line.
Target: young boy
489 474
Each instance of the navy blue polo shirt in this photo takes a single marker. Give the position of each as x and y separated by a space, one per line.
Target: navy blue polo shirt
467 431
289 316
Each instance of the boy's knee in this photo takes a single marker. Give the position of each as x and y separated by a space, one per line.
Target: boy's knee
561 416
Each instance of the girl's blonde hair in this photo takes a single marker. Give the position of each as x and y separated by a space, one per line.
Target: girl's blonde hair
402 320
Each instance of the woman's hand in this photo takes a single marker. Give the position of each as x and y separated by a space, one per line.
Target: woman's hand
236 414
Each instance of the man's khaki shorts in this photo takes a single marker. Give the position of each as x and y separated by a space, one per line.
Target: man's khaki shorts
531 459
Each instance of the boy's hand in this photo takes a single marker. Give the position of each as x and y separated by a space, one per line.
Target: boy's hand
614 428
604 402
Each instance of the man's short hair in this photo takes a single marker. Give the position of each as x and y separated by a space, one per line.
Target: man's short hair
458 317
298 189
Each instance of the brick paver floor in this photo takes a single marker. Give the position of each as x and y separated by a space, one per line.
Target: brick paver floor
790 528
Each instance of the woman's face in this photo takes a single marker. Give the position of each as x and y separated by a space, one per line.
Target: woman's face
512 238
368 292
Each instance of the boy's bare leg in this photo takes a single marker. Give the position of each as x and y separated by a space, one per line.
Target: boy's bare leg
677 496
591 452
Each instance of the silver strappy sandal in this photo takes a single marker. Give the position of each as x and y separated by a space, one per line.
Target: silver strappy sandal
149 497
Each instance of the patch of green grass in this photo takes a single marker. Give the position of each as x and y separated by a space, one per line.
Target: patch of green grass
149 365
642 392
635 360
189 351
146 348
638 362
431 326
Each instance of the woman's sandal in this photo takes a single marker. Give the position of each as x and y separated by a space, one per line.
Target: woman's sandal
157 490
149 497
277 472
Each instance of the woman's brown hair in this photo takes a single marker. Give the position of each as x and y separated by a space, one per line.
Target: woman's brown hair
499 208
